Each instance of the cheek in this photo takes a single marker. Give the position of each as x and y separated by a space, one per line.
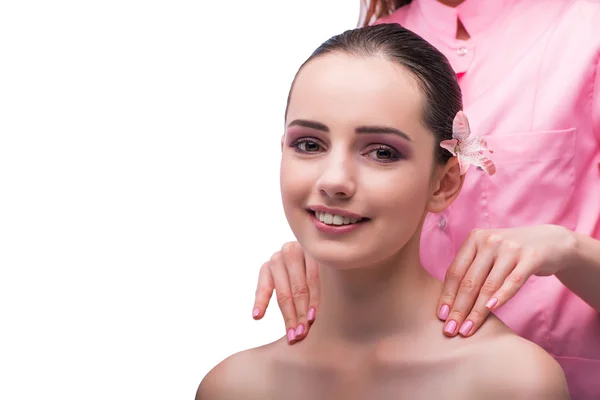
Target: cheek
401 195
295 182
400 203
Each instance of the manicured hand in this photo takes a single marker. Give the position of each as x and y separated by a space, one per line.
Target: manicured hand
493 265
295 278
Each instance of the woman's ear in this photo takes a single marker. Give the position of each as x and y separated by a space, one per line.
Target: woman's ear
447 183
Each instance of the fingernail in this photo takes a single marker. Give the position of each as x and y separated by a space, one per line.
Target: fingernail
299 330
291 335
256 312
311 315
492 303
450 327
444 311
466 328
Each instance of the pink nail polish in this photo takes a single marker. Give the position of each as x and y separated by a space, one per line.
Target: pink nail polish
291 335
492 303
450 327
300 330
466 328
256 312
444 311
311 315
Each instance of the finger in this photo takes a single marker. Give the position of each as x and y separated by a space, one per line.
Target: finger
312 279
469 290
454 276
293 257
502 268
264 292
511 286
283 293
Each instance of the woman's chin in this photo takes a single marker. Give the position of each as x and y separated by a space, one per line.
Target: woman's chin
340 257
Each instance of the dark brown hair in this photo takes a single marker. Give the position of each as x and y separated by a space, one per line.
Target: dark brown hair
427 65
372 10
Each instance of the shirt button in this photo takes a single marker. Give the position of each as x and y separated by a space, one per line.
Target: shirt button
442 223
461 51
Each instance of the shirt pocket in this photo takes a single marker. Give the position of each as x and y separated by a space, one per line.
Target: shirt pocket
534 180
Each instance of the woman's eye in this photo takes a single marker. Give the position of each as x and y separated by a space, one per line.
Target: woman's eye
384 154
307 146
310 146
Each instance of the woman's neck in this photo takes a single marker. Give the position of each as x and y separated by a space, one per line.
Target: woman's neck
363 305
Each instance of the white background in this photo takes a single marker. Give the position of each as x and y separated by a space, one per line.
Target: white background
139 186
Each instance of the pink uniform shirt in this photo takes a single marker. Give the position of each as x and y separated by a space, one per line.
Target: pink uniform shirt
531 85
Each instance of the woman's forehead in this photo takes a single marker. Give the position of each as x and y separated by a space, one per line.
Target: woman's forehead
349 86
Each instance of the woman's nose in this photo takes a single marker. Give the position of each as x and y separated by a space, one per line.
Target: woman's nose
337 180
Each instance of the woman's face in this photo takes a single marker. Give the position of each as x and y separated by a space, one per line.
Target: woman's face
355 148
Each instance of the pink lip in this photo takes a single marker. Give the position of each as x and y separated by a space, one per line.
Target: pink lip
335 211
335 229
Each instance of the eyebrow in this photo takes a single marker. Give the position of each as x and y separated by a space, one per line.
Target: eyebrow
309 124
361 129
382 129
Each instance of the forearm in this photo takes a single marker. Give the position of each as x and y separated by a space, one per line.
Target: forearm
583 275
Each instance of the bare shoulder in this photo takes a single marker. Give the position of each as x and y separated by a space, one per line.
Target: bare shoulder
508 366
242 375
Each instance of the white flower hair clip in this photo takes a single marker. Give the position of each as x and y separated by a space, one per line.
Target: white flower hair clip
468 150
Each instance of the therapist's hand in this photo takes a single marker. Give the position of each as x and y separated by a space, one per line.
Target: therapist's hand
493 265
295 278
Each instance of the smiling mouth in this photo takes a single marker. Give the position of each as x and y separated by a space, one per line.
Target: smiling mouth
336 220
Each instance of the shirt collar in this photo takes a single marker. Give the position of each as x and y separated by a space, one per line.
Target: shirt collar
476 15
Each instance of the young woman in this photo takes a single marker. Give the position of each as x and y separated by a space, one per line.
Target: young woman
525 243
369 117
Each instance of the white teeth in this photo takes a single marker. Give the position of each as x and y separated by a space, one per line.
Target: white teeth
331 219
